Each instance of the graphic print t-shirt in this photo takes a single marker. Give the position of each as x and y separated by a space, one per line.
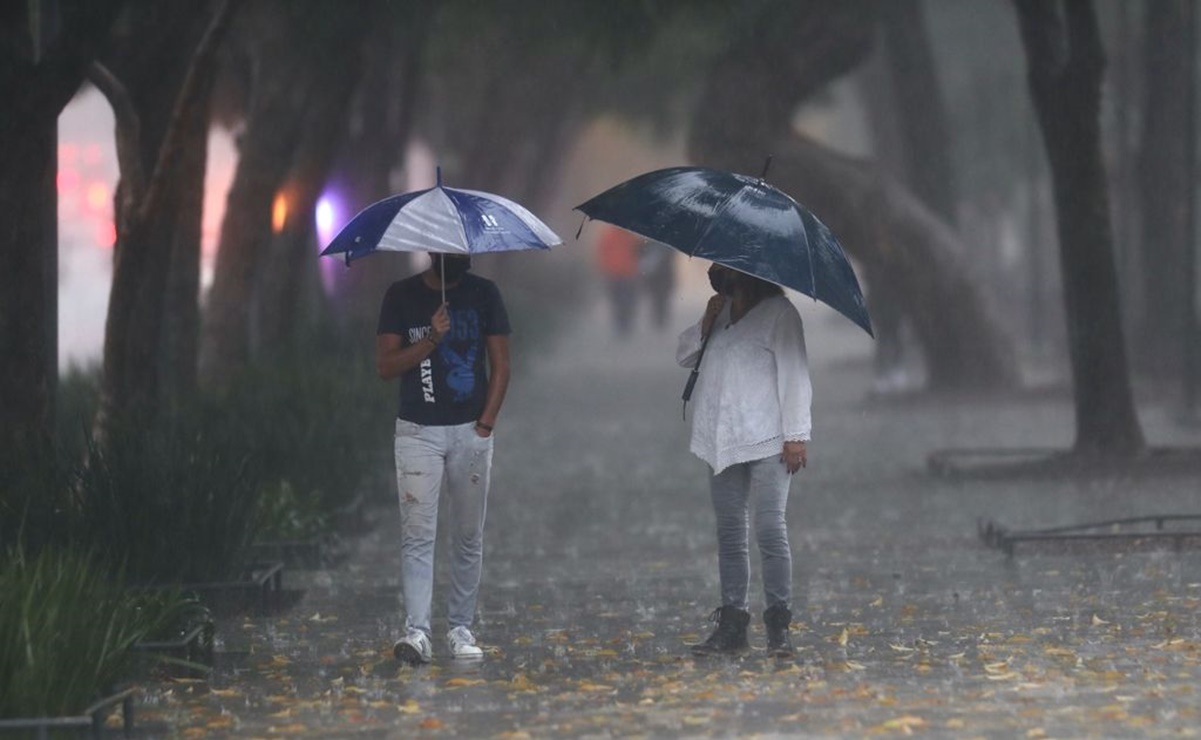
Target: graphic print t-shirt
450 386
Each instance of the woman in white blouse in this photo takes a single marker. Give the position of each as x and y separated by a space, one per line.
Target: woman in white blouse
750 422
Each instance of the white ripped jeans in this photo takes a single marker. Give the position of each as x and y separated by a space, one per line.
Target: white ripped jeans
425 456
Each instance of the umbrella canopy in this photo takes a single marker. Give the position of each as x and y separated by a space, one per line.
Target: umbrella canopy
442 220
740 222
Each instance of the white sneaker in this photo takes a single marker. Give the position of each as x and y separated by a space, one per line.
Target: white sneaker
462 644
414 648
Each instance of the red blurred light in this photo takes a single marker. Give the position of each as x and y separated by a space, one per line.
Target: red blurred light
67 180
106 234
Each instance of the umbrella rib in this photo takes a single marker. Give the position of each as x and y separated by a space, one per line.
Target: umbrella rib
717 212
809 252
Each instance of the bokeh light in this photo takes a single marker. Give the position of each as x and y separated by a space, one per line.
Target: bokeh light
326 215
98 196
279 213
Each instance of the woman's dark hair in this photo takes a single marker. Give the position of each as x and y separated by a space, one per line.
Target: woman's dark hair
755 289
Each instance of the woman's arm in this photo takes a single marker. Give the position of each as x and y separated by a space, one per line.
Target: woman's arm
792 375
691 339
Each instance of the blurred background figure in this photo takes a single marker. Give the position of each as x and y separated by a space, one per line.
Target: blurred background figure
656 267
617 257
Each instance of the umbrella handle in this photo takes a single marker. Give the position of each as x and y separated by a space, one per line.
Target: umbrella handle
692 376
696 372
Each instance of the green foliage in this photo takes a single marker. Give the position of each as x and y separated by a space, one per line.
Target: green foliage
76 402
171 502
288 515
180 499
66 629
314 419
33 484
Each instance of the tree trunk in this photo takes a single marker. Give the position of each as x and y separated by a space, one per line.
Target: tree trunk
146 223
28 283
39 72
745 112
146 58
1066 66
292 41
386 108
292 259
926 141
1164 188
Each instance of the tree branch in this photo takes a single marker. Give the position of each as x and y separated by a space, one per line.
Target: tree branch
1041 26
128 136
192 95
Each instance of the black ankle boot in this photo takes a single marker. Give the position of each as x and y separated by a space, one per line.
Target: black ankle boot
779 642
730 634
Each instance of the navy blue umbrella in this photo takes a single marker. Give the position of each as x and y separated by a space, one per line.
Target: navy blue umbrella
740 222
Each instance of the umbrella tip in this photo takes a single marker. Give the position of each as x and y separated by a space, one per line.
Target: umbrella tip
438 174
766 166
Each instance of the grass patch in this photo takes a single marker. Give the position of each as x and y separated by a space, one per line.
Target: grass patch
66 631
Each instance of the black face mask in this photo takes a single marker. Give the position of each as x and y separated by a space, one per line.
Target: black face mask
722 282
450 270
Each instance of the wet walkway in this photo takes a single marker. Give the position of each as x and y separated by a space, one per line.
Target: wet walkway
600 568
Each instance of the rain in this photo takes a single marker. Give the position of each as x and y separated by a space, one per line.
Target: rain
996 531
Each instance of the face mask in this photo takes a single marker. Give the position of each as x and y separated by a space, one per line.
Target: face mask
721 281
450 270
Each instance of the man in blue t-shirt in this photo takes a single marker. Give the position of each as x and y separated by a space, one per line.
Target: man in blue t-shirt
452 359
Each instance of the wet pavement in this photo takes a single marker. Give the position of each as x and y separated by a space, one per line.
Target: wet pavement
601 567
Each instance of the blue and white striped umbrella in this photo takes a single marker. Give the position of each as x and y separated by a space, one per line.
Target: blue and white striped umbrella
442 220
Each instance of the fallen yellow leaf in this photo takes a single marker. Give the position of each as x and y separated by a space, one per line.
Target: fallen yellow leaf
455 683
296 728
906 723
521 682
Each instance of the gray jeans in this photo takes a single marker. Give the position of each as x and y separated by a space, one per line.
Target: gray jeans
425 456
763 483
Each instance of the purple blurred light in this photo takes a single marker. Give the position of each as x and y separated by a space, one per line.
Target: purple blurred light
329 221
327 217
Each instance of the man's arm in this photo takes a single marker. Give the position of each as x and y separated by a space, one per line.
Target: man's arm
497 346
393 358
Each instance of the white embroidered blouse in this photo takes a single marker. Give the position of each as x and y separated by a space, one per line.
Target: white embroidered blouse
753 392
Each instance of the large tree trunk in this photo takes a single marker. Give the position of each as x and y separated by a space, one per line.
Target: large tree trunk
291 42
384 111
292 260
147 208
926 142
42 64
913 142
1066 66
1164 187
146 59
745 112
